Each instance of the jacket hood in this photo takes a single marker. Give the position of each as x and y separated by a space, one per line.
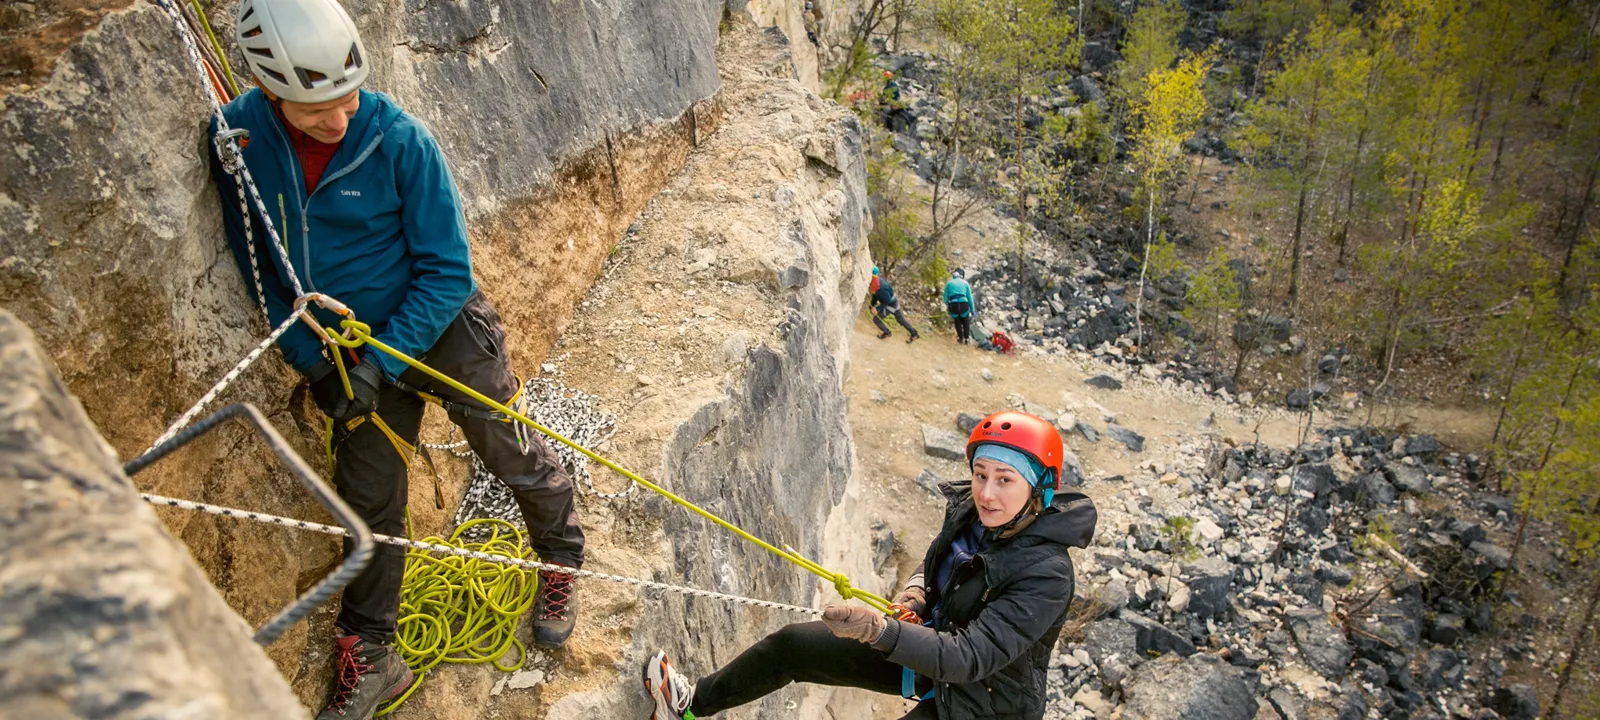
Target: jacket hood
1069 521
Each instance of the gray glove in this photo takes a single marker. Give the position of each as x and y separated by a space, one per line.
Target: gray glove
854 622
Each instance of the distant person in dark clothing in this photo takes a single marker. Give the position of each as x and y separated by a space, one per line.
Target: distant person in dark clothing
884 304
959 303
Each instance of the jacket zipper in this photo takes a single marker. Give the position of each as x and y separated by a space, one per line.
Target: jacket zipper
305 198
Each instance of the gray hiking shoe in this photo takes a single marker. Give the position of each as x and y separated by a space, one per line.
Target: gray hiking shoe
555 613
368 675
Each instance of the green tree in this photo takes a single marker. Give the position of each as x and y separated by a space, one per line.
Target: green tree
1274 21
1168 109
1213 297
858 53
1290 136
1025 42
1151 44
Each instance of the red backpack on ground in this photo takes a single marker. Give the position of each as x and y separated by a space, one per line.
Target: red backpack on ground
1002 342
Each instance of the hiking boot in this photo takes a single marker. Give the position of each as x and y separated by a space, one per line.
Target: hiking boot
884 334
671 691
913 339
555 613
368 675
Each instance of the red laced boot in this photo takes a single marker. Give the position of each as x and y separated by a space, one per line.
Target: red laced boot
368 675
554 614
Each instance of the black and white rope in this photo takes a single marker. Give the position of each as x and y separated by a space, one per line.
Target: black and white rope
574 414
163 501
191 44
249 359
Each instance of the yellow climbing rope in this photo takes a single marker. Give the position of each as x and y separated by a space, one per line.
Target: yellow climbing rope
463 610
357 334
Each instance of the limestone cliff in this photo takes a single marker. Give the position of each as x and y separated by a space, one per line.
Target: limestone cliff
102 615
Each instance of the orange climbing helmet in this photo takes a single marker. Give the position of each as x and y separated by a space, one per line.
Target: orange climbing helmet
1028 434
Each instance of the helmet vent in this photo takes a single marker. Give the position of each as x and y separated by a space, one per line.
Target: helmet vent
263 52
274 74
986 424
1005 426
354 58
248 11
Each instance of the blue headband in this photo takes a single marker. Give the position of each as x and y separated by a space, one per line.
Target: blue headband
1029 468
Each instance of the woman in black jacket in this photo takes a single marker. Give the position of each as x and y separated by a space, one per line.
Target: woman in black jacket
994 587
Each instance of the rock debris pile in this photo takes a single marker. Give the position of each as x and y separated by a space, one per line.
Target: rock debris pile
1347 578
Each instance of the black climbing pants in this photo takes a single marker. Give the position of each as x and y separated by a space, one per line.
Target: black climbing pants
370 474
963 329
803 652
882 311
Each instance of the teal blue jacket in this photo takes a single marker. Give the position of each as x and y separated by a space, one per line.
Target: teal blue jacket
957 290
383 233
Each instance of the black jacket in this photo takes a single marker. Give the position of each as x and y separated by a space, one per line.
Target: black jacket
1002 612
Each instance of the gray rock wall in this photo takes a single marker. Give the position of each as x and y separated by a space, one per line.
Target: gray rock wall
781 188
102 613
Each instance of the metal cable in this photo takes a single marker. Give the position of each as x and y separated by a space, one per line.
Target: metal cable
354 562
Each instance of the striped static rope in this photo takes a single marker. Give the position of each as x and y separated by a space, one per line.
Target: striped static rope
162 501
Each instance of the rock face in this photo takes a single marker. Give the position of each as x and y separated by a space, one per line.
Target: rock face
1199 687
764 443
106 615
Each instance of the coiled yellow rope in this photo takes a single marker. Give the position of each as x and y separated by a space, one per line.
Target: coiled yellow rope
464 610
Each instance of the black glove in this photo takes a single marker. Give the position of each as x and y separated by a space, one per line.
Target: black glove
326 390
364 381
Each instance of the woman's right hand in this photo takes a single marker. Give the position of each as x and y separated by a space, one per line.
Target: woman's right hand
913 598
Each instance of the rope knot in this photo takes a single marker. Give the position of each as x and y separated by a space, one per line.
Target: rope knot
842 584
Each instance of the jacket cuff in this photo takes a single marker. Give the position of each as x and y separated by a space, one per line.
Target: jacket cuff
916 581
391 366
888 638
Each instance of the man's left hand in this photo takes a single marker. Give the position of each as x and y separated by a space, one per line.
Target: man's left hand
365 379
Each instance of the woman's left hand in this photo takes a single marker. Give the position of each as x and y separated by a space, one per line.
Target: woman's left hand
854 622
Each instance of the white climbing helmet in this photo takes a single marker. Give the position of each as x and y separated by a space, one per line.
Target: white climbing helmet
305 51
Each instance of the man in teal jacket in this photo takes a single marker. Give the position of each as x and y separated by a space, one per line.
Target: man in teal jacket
959 303
368 214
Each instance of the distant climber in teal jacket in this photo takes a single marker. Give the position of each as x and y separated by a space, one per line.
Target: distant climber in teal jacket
368 214
959 303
